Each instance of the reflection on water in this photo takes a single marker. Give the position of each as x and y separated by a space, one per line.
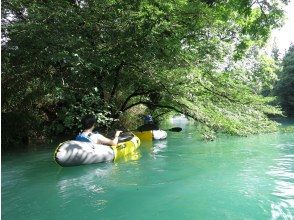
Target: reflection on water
155 148
267 176
159 146
283 175
87 180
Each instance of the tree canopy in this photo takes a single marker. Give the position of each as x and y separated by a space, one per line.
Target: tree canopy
63 59
285 86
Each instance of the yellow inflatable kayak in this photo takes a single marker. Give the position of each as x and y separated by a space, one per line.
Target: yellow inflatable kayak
151 135
126 148
74 153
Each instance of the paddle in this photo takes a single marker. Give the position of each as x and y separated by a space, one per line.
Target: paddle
174 129
152 126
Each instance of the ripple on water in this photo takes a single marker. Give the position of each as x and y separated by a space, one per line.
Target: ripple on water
281 210
282 173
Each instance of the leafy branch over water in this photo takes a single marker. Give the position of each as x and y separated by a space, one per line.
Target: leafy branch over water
288 129
63 59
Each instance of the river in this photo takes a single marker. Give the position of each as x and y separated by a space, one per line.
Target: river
178 178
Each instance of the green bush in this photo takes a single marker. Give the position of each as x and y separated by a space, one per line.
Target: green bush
16 129
69 116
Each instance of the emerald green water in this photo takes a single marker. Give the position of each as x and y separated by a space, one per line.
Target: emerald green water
180 178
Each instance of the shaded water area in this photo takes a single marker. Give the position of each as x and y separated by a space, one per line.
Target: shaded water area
178 178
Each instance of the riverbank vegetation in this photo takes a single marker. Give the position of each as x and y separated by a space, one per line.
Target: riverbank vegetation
119 59
284 88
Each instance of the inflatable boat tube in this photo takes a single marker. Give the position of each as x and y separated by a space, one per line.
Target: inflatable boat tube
151 135
159 134
74 153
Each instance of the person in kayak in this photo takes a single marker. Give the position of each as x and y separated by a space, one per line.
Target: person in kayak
87 135
148 125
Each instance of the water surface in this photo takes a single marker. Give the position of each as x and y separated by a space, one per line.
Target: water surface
179 178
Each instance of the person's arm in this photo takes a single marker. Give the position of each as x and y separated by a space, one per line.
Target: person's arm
107 141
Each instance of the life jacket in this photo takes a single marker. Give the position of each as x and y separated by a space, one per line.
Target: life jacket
83 138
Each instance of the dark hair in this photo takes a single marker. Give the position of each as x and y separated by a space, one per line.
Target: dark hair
88 121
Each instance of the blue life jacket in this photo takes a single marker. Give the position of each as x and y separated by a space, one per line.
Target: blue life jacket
83 138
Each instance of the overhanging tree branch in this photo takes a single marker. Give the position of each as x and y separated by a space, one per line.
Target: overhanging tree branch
117 71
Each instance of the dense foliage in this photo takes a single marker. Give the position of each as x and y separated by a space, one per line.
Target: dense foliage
285 86
62 59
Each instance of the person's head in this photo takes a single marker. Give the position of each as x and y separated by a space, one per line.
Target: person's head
148 119
88 121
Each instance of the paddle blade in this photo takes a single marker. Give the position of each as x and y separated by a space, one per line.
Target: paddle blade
175 129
